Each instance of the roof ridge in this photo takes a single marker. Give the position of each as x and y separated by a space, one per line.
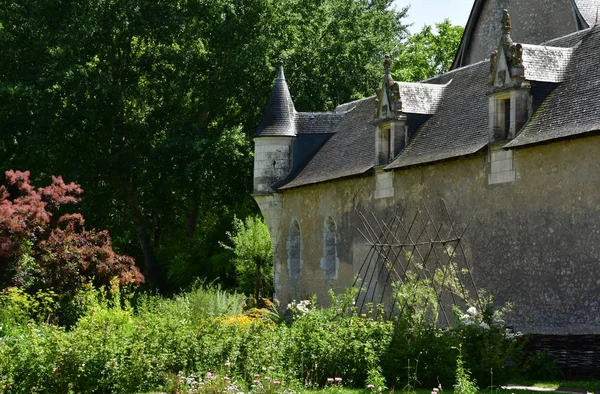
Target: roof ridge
582 32
353 102
455 71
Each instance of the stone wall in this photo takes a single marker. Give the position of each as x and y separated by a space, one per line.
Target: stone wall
272 161
532 241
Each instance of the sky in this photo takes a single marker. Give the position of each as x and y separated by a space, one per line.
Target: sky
422 12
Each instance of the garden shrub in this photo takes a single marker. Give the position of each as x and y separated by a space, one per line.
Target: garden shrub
490 351
334 342
425 355
118 348
40 250
540 366
251 246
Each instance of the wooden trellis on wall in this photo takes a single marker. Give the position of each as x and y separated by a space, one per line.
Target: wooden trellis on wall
412 250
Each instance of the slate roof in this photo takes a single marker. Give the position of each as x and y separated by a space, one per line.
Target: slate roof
570 40
317 122
460 125
350 151
420 98
455 113
574 106
546 64
281 119
279 116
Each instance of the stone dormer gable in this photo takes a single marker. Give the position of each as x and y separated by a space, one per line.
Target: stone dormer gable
279 116
506 62
400 98
388 97
509 93
516 63
398 104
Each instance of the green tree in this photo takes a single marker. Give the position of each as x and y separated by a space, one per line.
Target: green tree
428 53
251 245
149 105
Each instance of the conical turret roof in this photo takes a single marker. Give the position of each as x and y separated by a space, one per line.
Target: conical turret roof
278 119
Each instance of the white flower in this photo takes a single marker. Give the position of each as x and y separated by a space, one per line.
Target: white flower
472 311
484 325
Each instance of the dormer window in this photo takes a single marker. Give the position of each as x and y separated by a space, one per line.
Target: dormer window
500 117
509 113
509 93
385 145
391 139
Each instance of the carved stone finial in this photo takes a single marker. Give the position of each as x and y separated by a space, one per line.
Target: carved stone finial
506 26
387 63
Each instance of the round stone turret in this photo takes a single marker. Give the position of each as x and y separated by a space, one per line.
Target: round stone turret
279 116
273 138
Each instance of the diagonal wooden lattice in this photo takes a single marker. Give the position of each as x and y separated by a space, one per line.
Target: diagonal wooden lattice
411 252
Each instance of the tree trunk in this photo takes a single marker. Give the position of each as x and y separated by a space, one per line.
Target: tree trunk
151 269
191 218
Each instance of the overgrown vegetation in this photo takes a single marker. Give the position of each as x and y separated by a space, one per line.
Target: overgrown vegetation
125 342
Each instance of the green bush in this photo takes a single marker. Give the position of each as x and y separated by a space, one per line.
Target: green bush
490 351
253 257
118 348
541 367
332 342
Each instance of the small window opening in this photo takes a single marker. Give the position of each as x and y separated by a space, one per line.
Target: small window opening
399 140
506 118
329 262
294 247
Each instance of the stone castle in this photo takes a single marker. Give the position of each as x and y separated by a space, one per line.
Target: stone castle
508 139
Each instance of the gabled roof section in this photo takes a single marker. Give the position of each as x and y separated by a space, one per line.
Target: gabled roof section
420 98
460 125
465 41
546 64
568 41
317 122
574 106
278 119
349 152
546 20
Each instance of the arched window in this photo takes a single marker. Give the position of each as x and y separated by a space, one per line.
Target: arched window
329 262
294 249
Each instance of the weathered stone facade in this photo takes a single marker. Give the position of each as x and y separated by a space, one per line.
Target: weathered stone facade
511 146
532 242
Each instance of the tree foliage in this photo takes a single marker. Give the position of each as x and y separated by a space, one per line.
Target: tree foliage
251 245
429 52
149 105
40 251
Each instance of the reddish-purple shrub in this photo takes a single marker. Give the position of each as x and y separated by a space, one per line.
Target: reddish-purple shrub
61 253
